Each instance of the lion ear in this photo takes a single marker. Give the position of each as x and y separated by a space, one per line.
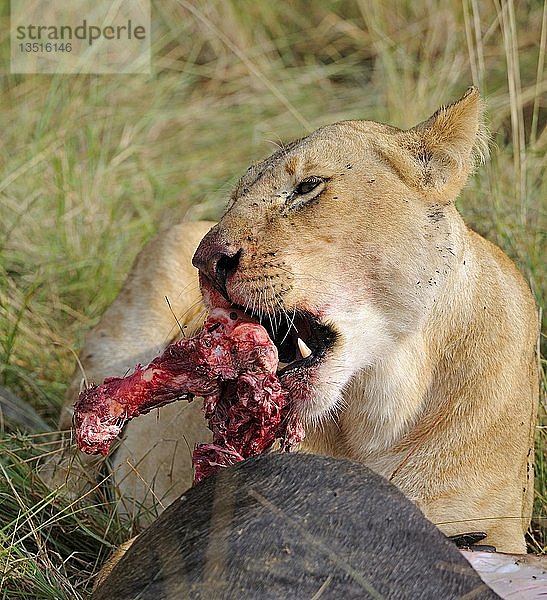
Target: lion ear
437 156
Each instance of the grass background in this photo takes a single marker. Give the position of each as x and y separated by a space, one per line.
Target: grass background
92 166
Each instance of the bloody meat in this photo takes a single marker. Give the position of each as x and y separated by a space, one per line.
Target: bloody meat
232 364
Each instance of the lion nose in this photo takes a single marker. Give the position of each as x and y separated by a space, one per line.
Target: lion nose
217 260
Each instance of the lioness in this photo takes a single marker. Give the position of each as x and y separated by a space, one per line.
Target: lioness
414 336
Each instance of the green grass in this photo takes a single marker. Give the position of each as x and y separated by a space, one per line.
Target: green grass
92 166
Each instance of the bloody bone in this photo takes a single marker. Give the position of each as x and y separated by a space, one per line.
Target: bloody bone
232 363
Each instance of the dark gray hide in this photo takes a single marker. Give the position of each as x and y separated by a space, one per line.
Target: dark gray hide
293 526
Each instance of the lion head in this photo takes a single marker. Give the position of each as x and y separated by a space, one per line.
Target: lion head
343 242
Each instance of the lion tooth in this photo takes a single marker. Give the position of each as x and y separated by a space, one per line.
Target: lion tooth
304 350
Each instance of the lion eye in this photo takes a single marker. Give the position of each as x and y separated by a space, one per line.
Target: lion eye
307 185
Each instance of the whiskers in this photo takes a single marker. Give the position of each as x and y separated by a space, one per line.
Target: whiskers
193 315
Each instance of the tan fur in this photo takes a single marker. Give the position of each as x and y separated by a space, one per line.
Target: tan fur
112 561
432 381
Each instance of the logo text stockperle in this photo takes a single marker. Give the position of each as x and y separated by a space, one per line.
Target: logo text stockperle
83 31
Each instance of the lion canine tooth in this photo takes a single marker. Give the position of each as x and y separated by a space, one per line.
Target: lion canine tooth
304 350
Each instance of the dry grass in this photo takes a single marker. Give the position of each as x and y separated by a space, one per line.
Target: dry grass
92 166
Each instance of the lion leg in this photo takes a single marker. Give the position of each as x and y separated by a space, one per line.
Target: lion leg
152 463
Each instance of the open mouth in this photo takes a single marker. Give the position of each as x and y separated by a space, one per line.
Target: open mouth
301 338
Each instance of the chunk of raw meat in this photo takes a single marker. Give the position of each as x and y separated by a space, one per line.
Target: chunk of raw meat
232 363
